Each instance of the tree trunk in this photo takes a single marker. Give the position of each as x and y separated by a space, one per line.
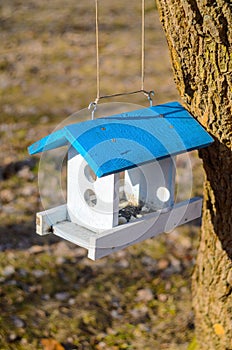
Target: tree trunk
199 35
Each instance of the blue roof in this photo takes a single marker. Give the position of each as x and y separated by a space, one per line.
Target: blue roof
126 140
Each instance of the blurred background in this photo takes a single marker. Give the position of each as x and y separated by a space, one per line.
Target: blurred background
51 296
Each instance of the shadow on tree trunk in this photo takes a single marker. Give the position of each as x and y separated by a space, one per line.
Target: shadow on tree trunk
217 162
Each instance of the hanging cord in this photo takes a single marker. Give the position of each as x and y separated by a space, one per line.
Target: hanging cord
143 46
97 50
149 94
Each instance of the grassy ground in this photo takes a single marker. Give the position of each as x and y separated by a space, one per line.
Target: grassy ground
51 296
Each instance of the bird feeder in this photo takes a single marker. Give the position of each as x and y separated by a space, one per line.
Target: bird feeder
121 178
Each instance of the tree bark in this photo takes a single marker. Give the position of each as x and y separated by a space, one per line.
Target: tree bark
199 36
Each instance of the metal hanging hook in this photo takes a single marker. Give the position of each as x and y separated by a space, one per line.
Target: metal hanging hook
93 106
151 93
149 96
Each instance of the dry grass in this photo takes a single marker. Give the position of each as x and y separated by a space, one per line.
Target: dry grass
47 62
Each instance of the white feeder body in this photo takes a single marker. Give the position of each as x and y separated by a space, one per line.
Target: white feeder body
152 184
94 202
91 202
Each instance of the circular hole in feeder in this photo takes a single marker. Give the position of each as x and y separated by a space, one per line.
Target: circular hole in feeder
163 194
89 174
90 198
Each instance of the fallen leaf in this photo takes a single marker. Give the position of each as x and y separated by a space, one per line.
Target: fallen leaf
218 329
145 295
51 344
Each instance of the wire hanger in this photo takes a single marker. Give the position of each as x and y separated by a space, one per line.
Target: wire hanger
149 94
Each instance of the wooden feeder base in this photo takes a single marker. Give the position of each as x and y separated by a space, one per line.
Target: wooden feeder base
100 244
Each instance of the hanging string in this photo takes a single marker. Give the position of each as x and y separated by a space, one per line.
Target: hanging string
149 94
97 50
143 46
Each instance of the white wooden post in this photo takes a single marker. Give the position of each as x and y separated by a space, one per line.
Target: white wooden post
91 202
152 184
